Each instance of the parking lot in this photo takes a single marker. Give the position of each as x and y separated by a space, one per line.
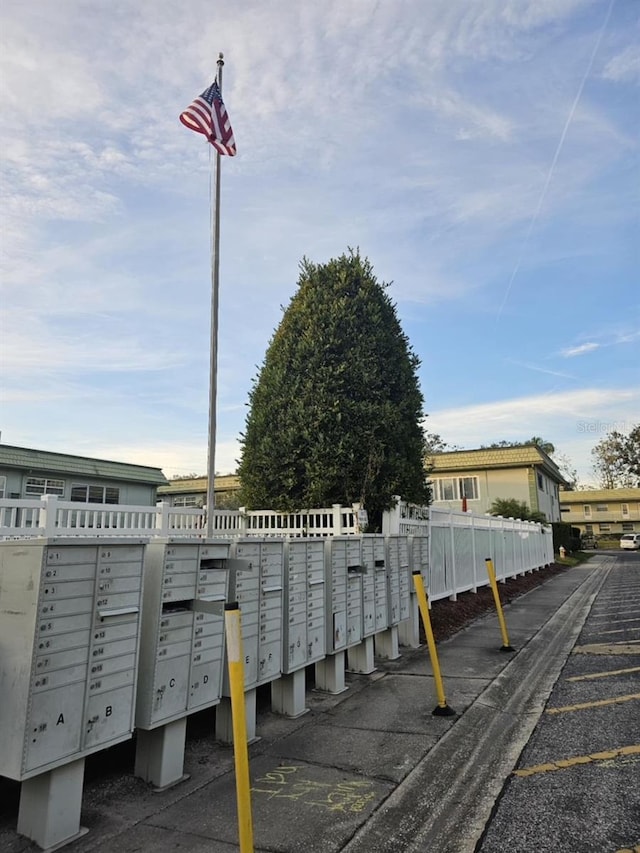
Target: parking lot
576 786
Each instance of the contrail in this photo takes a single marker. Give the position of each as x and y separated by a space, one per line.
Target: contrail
563 135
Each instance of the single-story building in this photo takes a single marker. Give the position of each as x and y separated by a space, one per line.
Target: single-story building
524 473
192 491
29 473
602 512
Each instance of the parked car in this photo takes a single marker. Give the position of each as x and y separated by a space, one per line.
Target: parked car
588 542
630 541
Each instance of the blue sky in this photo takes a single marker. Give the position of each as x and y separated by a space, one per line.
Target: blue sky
483 154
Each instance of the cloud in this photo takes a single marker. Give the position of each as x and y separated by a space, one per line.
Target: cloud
581 349
625 67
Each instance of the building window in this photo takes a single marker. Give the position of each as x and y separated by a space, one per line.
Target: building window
456 488
627 526
3 486
95 494
625 510
587 511
185 500
602 508
604 528
565 508
588 528
540 481
43 486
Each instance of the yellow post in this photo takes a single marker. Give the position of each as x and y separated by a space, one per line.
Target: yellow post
442 709
506 647
239 721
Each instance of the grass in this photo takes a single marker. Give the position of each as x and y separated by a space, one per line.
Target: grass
574 559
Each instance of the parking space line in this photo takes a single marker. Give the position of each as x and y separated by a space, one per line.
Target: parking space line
619 630
599 703
631 647
609 672
565 763
621 621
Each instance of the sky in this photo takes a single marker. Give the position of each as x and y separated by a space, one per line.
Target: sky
482 154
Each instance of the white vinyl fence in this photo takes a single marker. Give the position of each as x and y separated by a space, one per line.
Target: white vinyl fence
459 542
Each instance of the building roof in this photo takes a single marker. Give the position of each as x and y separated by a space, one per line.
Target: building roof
35 461
189 485
484 458
587 496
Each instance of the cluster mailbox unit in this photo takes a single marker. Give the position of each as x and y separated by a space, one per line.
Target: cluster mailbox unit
343 608
256 584
374 602
399 593
304 640
182 649
409 630
69 640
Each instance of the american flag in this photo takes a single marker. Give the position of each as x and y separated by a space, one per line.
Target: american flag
208 115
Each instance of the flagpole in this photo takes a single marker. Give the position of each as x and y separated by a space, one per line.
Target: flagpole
213 367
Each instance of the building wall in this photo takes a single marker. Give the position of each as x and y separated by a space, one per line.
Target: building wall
20 484
527 485
602 512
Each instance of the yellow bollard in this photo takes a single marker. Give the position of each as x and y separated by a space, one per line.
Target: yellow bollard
239 722
506 647
442 709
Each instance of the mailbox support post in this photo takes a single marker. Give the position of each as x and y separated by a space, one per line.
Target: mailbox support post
409 630
224 718
330 674
160 754
387 643
288 694
50 806
360 658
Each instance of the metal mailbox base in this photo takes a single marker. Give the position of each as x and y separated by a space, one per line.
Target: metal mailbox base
330 674
387 643
224 718
50 805
288 694
160 754
360 658
409 630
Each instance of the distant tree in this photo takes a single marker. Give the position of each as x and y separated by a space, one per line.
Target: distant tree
544 445
336 410
567 469
616 459
512 508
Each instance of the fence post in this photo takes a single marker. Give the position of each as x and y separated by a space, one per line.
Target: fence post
454 586
162 518
336 513
48 515
473 552
391 518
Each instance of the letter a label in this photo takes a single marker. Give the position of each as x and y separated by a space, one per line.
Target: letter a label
60 720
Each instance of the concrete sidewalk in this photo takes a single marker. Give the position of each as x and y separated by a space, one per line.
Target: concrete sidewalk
370 769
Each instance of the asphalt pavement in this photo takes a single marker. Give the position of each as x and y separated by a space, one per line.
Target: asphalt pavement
372 769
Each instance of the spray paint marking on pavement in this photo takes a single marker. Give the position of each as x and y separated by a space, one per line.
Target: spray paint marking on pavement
593 675
564 763
289 783
597 704
632 647
635 849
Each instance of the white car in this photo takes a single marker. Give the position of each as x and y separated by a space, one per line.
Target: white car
630 541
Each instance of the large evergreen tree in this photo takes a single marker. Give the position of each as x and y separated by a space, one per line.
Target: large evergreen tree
335 411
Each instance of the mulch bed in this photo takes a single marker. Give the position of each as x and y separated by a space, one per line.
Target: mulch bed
448 617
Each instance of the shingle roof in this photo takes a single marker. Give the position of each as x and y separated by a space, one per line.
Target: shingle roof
520 456
223 482
63 463
586 496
